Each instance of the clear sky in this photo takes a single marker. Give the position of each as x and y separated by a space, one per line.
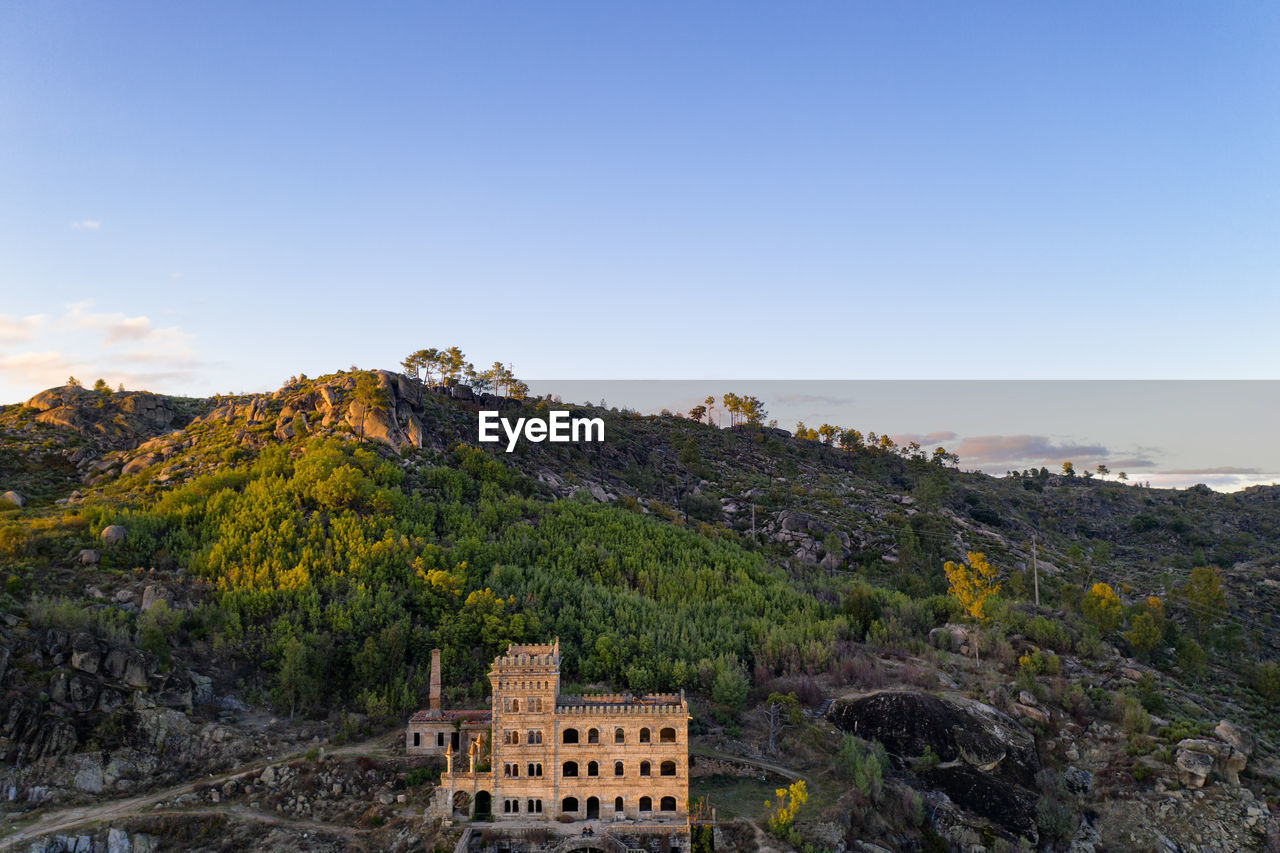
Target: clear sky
212 197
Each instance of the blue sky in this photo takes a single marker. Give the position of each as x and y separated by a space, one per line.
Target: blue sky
213 197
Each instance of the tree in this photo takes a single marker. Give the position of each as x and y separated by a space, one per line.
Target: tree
1122 476
1205 598
697 413
1102 607
1068 470
368 394
102 388
1103 471
710 403
1143 635
72 382
973 583
296 683
781 711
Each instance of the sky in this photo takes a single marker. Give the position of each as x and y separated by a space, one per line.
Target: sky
213 197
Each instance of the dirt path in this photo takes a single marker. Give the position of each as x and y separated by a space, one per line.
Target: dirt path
784 772
62 820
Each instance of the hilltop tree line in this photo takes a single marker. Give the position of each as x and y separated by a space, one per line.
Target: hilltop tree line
450 367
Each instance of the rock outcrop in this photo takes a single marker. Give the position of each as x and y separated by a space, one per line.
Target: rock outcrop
988 762
14 499
1196 758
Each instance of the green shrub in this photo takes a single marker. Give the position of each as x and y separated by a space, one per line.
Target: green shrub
863 763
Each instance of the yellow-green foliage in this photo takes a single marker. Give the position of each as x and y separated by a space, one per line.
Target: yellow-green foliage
1102 607
789 800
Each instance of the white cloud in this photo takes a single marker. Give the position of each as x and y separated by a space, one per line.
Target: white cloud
88 344
86 224
17 329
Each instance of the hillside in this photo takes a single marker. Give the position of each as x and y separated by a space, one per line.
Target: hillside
197 586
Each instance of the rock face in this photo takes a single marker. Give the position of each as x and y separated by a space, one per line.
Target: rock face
1198 757
13 498
116 417
988 762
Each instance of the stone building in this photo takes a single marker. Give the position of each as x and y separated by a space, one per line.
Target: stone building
549 756
438 732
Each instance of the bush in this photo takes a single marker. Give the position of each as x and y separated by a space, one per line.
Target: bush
1191 657
1266 680
863 763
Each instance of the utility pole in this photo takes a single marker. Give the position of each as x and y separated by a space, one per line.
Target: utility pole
1035 571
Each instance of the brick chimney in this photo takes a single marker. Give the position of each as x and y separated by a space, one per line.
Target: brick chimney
435 682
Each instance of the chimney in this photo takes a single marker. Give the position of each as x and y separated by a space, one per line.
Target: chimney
435 682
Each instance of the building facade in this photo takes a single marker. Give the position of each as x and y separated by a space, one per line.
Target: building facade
549 756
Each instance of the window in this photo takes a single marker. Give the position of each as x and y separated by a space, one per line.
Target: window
515 706
570 769
646 804
668 804
533 705
570 735
617 768
511 770
439 738
667 736
510 806
569 804
511 738
593 769
535 770
417 738
534 807
644 736
533 736
644 768
668 768
619 736
617 805
593 736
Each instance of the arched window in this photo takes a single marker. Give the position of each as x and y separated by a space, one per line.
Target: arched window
569 805
668 804
617 805
619 736
667 768
593 769
570 769
593 735
533 736
617 768
646 804
644 735
515 706
644 768
535 769
667 736
570 735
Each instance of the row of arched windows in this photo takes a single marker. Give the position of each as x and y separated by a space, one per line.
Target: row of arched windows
667 735
570 805
570 769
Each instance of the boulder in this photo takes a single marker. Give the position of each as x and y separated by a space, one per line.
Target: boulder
139 463
88 775
13 498
1197 757
1077 780
1235 737
153 595
988 762
113 534
118 841
88 557
82 692
86 654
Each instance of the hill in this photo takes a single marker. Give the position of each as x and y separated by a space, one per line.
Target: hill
180 569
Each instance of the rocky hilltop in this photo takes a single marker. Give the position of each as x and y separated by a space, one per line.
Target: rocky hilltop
216 613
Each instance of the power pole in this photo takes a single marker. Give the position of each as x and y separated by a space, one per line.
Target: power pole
1035 571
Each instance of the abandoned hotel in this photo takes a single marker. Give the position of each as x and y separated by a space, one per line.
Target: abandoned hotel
540 755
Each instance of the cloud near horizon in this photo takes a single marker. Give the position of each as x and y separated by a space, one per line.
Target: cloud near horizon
1009 449
119 348
86 225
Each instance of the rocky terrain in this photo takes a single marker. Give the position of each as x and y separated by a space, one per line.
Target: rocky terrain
1058 739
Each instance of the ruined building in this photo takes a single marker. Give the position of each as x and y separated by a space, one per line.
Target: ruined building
540 755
